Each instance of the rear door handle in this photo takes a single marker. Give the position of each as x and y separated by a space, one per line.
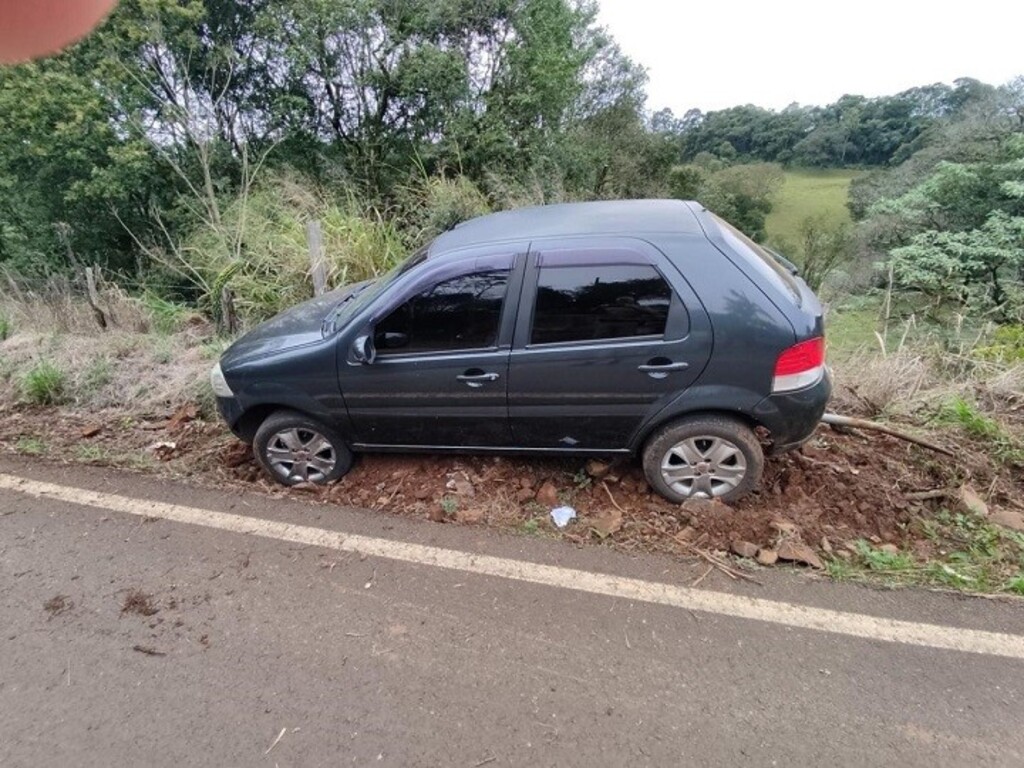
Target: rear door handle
475 379
663 368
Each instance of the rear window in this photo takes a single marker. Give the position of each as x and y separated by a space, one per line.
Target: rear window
760 259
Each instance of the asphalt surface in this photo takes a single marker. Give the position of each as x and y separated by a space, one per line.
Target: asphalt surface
263 652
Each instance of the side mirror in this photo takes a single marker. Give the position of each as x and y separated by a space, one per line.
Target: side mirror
363 351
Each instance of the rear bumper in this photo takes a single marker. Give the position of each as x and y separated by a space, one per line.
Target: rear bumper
793 416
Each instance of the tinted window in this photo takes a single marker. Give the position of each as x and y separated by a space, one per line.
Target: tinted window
460 313
760 259
599 302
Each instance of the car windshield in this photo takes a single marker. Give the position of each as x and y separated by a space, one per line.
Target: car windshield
353 303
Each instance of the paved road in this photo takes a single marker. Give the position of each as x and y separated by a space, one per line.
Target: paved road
273 652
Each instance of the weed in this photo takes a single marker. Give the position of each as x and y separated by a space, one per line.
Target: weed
531 526
91 453
5 326
44 384
450 505
1016 585
881 561
840 569
165 316
32 446
966 416
163 350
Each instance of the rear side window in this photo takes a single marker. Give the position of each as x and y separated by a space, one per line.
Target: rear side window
760 259
599 302
459 313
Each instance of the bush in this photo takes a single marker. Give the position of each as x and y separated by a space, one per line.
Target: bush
259 251
44 384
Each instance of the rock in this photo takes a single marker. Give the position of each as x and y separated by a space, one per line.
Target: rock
972 502
1008 519
797 552
826 545
784 526
464 488
547 495
91 431
523 495
469 515
704 507
689 533
767 556
744 549
606 523
422 493
436 514
597 469
525 482
889 549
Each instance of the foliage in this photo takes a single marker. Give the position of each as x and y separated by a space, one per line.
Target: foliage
270 270
44 384
5 326
964 414
741 194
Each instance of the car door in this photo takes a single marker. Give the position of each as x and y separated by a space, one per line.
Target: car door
439 376
608 332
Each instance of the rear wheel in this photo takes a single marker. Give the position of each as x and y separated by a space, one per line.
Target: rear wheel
294 448
703 457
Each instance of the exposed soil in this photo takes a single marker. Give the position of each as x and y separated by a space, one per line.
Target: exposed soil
838 488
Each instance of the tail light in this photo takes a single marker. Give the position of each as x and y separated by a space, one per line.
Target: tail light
800 366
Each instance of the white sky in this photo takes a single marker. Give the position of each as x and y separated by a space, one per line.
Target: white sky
712 54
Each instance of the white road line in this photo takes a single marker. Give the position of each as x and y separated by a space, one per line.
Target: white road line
720 603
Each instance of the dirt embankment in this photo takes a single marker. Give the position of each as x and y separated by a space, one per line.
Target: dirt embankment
839 489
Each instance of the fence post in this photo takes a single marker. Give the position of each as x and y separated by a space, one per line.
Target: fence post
317 268
228 318
94 298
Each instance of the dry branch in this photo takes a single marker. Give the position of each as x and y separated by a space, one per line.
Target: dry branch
835 420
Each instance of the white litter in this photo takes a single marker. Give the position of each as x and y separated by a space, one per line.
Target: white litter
562 515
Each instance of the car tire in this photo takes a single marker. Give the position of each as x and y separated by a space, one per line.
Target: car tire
703 457
294 448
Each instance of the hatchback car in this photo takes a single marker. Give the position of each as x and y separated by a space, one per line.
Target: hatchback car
647 327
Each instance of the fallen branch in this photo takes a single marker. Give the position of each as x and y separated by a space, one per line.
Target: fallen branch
835 420
612 498
716 562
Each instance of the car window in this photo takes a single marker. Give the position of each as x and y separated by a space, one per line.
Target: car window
459 313
760 258
590 303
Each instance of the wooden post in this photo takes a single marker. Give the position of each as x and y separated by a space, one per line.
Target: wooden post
228 317
94 298
317 267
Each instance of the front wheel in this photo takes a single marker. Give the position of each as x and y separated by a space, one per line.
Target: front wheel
294 448
703 457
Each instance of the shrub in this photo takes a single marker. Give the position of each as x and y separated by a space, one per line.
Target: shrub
44 384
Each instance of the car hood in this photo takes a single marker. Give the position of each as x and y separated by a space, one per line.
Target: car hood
295 327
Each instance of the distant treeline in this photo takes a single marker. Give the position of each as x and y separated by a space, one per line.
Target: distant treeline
854 131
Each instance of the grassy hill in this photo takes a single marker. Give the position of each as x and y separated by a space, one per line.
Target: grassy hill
806 192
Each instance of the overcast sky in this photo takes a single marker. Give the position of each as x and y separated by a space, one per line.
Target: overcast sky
720 53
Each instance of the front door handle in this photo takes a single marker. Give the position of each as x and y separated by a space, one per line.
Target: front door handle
476 378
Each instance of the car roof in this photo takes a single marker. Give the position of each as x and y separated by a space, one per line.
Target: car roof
605 217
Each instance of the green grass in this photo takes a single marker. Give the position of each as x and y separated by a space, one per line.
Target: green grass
806 192
5 326
31 446
964 414
44 384
968 553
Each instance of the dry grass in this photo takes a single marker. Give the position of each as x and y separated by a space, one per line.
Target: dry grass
134 373
58 304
